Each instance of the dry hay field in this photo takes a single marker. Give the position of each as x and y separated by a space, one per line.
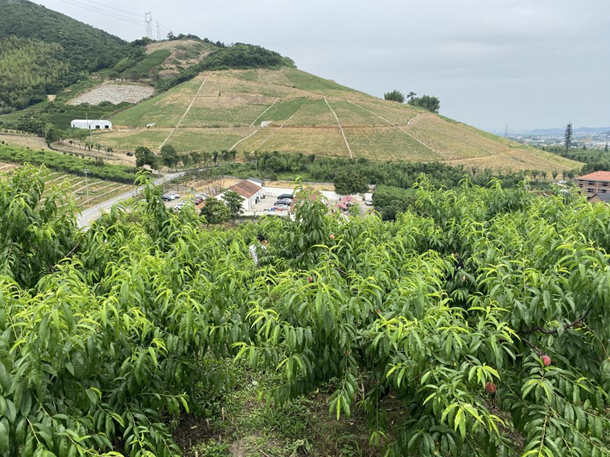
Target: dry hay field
27 141
291 111
99 190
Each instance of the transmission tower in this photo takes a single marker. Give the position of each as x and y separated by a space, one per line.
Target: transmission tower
158 31
148 22
506 131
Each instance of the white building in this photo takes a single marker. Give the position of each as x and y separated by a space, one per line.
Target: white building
91 124
250 192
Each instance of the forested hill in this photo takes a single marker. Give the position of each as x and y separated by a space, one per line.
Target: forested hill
43 51
86 48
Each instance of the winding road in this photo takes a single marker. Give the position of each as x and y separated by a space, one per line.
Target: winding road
91 214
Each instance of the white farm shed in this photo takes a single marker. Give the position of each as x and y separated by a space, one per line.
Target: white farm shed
91 124
250 192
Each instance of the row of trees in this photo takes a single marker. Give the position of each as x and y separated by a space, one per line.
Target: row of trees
169 157
476 324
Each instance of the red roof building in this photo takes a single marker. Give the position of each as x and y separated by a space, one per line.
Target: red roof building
250 192
597 182
246 189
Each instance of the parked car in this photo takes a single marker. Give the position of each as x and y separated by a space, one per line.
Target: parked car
285 196
173 195
167 197
198 200
130 154
284 201
182 204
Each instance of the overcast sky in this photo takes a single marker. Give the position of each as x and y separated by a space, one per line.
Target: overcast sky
522 63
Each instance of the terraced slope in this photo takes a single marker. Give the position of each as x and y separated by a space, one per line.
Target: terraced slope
289 110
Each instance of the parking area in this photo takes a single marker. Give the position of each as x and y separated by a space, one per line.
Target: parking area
271 194
267 204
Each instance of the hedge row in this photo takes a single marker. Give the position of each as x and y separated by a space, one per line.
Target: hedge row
69 164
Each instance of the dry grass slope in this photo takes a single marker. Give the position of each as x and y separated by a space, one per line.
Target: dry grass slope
284 110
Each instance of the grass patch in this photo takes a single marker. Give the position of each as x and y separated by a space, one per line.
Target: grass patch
241 423
164 109
314 112
320 141
282 110
143 68
395 145
306 81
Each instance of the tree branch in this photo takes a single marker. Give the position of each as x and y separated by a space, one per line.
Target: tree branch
577 322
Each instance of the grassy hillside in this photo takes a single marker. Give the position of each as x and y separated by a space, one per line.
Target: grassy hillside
288 110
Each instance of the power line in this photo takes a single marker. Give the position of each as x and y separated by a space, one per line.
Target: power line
107 13
112 14
115 8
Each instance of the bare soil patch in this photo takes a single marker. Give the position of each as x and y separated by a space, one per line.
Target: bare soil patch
114 93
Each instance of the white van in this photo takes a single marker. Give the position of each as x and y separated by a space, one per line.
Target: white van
368 199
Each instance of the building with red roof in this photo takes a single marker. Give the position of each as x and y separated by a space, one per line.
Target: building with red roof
250 192
597 182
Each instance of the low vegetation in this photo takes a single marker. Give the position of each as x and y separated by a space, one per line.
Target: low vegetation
481 313
237 56
143 68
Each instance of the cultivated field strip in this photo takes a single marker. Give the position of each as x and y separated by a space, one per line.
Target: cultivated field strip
185 113
262 114
351 155
397 126
270 136
76 186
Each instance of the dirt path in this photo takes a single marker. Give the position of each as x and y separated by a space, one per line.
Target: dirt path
185 113
261 115
351 156
244 139
270 136
413 118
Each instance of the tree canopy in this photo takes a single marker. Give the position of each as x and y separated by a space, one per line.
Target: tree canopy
395 96
475 324
428 102
169 156
145 156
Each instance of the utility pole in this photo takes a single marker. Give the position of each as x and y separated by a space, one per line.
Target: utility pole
87 184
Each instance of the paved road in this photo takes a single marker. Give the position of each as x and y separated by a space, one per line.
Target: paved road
91 214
